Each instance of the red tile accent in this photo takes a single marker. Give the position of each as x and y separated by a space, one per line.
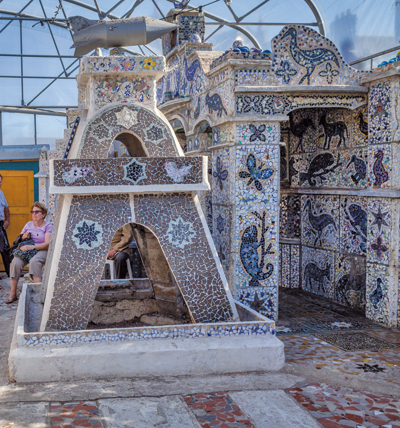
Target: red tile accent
217 410
75 415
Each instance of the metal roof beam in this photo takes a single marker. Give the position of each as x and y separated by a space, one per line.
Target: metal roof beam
16 15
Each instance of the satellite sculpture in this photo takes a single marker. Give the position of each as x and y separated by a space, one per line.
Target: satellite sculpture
92 34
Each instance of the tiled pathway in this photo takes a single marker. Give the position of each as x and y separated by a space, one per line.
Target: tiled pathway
319 336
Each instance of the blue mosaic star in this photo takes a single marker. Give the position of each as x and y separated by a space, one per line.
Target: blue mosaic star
87 234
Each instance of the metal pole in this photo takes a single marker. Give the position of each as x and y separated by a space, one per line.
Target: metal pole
34 122
17 15
1 130
22 63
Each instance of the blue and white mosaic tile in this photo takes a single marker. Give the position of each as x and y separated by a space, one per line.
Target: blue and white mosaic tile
353 225
377 297
320 221
379 113
257 133
379 166
318 271
379 218
262 299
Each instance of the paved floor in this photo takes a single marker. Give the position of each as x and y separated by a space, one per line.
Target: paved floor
341 371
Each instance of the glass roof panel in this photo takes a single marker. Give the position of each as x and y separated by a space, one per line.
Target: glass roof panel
359 28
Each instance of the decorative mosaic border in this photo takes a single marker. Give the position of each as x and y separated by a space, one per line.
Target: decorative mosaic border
149 333
74 175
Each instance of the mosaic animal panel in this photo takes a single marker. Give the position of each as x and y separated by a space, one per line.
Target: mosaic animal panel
327 129
377 298
318 271
379 165
257 133
304 57
128 171
336 168
100 132
290 216
320 221
262 299
379 113
353 225
379 223
256 226
122 90
350 281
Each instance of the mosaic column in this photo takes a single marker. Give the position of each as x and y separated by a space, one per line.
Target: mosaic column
383 209
246 190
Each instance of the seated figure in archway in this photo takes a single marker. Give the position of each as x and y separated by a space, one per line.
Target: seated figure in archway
119 250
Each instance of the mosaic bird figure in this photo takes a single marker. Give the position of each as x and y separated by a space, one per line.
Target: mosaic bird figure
310 58
360 168
362 125
381 175
251 259
177 174
318 222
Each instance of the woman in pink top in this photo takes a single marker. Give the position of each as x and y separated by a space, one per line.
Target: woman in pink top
40 231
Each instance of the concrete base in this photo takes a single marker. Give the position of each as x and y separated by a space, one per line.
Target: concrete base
147 358
199 349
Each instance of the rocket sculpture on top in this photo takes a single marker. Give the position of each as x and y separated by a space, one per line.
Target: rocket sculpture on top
90 34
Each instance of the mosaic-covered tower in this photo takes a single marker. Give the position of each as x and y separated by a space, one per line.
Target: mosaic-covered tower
154 187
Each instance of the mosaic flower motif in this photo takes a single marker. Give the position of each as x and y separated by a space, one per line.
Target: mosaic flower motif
379 219
220 174
148 63
126 118
135 171
251 104
379 248
220 223
329 73
87 235
286 72
154 133
257 133
180 233
128 64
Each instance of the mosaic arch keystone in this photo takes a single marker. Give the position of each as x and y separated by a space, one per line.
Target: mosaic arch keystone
156 135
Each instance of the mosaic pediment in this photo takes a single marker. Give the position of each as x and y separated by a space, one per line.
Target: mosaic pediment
301 56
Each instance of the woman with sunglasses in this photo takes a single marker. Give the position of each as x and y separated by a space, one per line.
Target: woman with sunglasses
40 231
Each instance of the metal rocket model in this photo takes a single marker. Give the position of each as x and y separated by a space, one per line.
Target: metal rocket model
90 34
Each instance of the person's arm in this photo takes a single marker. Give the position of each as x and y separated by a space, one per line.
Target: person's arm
6 217
125 240
38 247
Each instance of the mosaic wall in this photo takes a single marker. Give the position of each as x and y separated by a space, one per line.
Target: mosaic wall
101 131
305 57
344 239
122 90
128 171
116 64
256 216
